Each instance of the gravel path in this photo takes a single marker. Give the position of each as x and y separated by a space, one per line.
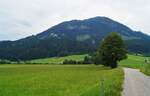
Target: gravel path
136 83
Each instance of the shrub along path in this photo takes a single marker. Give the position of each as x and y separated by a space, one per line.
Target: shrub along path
136 83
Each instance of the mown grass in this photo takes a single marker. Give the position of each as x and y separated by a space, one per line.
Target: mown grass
58 60
137 62
60 80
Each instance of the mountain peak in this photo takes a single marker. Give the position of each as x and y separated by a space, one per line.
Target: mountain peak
100 18
98 25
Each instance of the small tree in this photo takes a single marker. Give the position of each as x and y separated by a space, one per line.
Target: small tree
112 50
96 58
87 60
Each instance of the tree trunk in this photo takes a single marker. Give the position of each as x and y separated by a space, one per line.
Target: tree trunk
114 64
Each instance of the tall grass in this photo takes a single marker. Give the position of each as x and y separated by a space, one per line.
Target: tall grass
60 80
146 69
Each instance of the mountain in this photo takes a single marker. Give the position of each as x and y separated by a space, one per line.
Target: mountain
73 37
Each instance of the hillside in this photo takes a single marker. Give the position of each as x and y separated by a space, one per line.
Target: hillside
72 37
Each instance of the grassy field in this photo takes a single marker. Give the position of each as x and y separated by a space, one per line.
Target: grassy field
58 60
66 80
60 80
133 61
137 62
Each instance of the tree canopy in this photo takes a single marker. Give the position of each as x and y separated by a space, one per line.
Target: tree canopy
111 51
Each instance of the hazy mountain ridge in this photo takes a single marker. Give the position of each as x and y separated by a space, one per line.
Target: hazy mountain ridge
72 37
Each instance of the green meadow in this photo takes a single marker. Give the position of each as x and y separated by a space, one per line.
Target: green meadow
137 62
133 61
66 80
60 80
58 60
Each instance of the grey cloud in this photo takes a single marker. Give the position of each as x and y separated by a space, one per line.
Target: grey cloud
21 18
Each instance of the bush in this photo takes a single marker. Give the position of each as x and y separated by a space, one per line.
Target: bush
87 60
69 62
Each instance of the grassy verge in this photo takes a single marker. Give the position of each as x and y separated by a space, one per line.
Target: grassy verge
60 80
146 69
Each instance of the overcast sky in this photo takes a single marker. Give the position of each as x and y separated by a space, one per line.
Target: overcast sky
21 18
